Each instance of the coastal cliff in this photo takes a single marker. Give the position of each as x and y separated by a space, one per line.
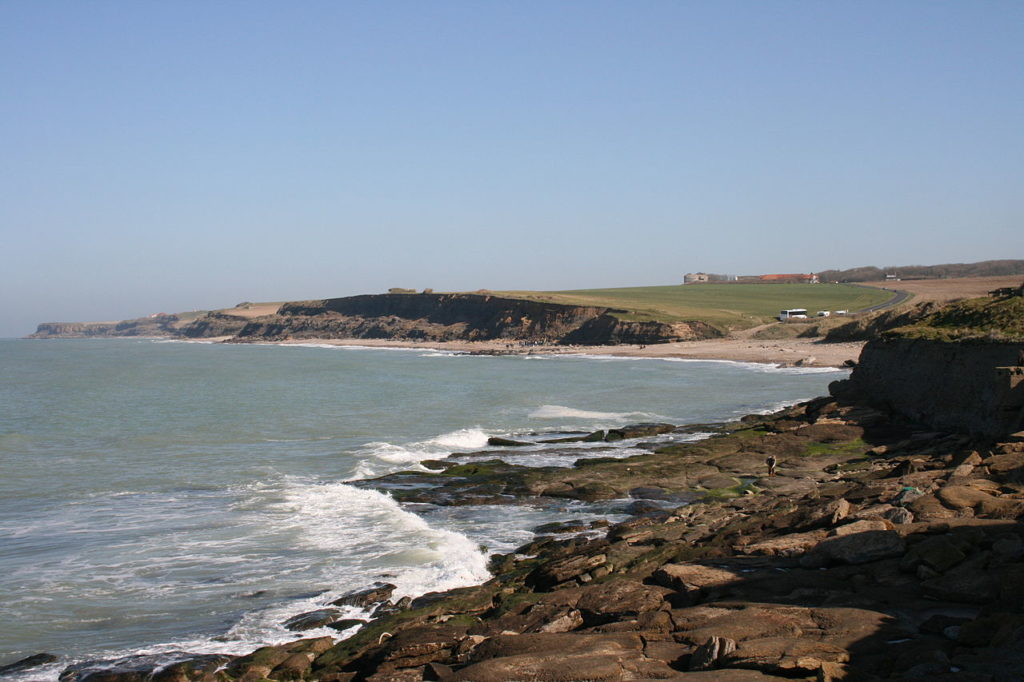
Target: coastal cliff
957 368
418 317
462 317
971 387
163 325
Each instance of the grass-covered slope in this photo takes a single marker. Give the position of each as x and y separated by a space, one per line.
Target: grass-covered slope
730 306
976 319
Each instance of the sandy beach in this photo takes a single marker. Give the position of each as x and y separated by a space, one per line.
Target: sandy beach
805 352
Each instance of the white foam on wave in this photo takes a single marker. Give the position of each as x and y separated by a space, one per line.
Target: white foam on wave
463 438
203 342
342 518
373 534
596 356
762 367
375 456
340 346
562 412
348 538
780 405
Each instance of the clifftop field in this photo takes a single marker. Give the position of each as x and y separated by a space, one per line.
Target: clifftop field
730 306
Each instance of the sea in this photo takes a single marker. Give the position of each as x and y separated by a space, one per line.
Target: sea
159 497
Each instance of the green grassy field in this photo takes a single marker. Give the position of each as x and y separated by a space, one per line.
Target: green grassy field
729 306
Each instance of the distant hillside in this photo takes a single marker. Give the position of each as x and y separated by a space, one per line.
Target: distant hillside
987 268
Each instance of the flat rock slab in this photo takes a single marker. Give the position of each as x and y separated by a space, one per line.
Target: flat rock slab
785 655
556 667
793 544
739 624
560 657
730 675
621 599
683 577
564 643
856 548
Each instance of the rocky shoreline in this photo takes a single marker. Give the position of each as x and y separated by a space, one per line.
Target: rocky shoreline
879 550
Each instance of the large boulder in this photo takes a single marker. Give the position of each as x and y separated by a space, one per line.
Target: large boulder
312 620
506 442
553 573
709 654
961 497
27 663
638 431
366 597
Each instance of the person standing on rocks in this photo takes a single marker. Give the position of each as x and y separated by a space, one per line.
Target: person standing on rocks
771 462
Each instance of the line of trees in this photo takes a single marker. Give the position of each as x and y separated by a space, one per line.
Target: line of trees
987 268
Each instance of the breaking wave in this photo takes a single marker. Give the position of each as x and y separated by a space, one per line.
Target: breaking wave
379 457
562 412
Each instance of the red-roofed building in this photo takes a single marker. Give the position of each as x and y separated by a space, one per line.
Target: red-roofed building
804 279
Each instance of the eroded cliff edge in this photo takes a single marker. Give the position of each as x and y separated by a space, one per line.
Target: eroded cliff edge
424 317
959 369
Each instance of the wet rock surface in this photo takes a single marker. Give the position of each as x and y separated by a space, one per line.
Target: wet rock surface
879 551
27 663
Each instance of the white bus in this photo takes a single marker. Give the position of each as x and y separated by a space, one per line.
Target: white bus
793 314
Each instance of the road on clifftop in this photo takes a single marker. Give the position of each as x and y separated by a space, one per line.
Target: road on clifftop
898 296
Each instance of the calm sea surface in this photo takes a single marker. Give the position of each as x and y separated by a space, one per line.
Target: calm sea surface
161 496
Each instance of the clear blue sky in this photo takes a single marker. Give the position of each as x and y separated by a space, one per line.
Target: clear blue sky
166 156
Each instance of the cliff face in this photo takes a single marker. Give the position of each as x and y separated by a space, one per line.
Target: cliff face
463 317
144 326
213 324
975 387
958 367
